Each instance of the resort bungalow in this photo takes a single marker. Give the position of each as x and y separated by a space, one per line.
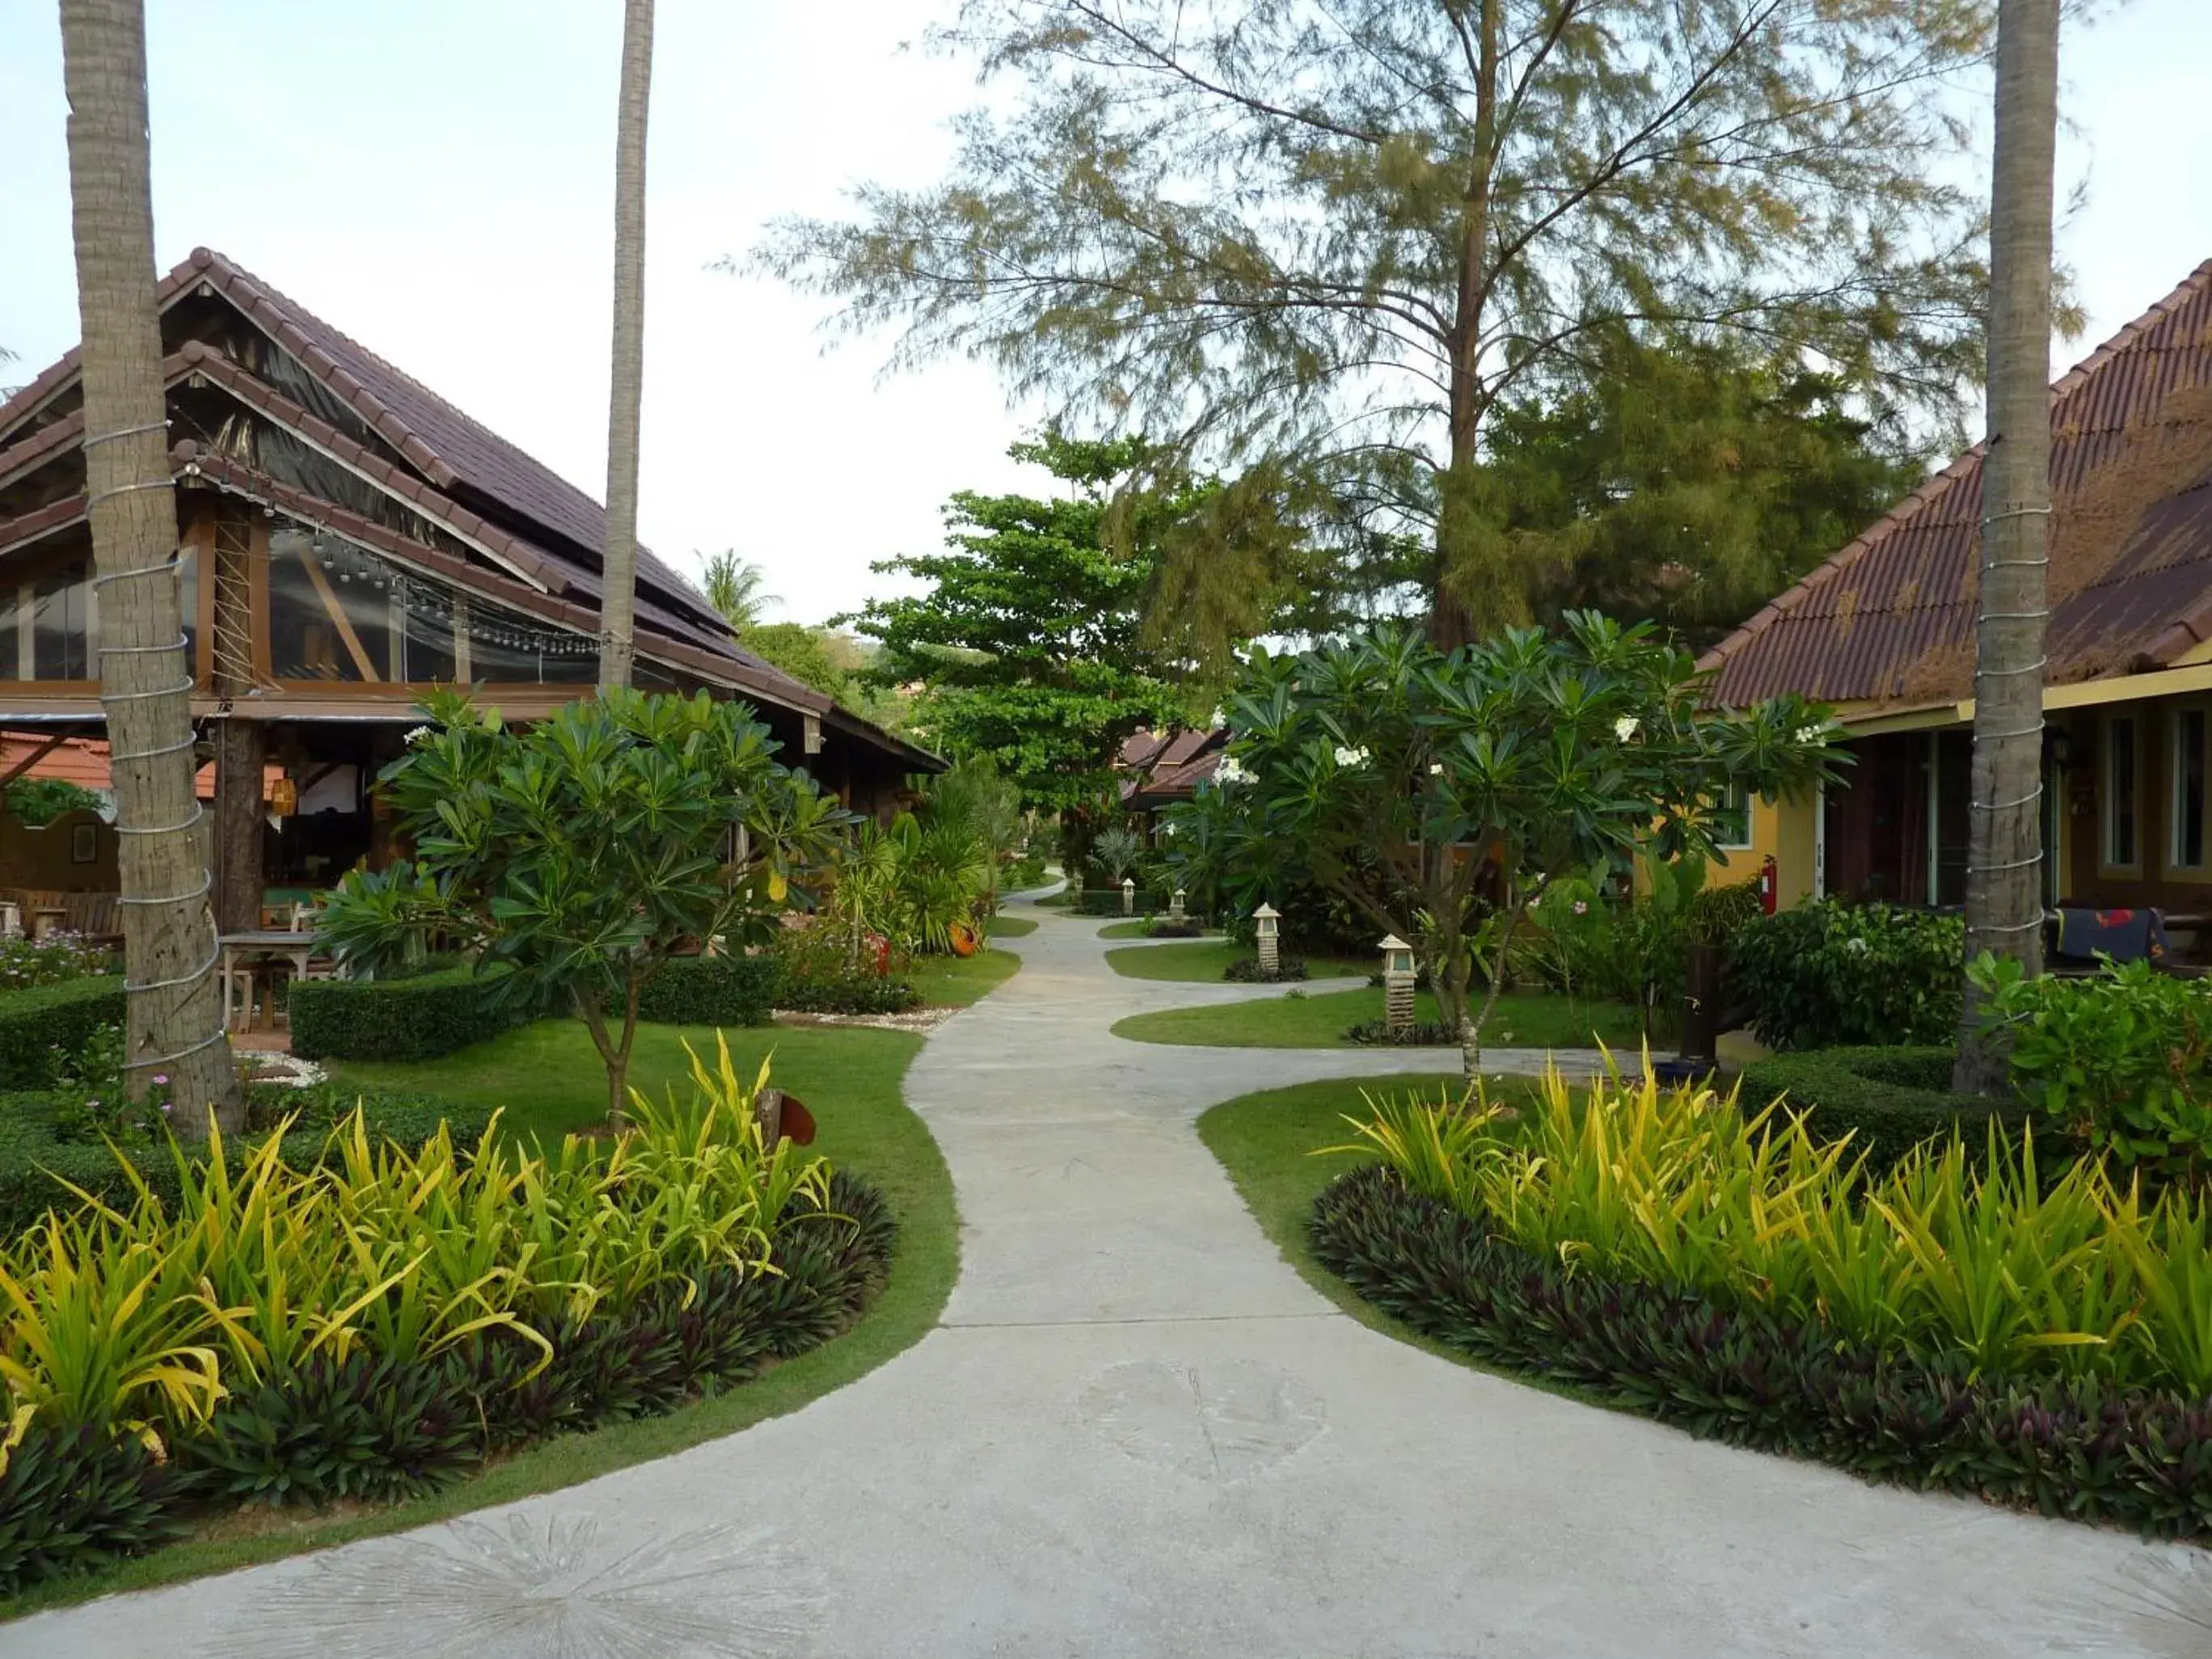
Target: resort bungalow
1885 632
349 540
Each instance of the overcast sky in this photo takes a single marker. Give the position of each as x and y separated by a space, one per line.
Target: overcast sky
435 177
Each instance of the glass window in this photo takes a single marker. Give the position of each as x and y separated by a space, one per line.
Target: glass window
2187 767
2122 848
188 605
58 631
1732 818
13 601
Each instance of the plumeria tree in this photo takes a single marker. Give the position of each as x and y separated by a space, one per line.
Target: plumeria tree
581 853
1440 794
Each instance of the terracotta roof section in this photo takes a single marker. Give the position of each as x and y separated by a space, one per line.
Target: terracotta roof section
1169 767
1890 618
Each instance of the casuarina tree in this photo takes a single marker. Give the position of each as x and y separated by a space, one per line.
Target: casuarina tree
1442 793
1323 238
174 1007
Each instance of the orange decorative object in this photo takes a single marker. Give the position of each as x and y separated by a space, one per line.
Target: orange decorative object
963 939
283 798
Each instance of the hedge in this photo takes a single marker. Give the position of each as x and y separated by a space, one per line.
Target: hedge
1889 1100
35 1161
1107 902
36 1021
2071 1448
419 1018
856 992
724 990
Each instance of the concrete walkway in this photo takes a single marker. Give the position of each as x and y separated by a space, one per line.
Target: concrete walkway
1139 1432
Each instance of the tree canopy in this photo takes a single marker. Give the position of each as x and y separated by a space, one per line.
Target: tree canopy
1329 240
1029 641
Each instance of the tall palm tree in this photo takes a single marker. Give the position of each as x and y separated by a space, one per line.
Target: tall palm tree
735 587
627 389
2004 868
174 1039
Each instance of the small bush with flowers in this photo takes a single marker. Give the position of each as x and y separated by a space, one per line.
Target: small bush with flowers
25 961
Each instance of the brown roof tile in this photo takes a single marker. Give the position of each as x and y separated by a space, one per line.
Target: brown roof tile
1891 616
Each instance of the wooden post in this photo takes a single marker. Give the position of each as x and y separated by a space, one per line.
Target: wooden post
241 747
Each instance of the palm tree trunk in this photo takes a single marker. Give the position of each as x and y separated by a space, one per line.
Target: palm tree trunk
174 1042
627 388
2004 872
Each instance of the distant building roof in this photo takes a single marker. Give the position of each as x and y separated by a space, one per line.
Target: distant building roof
1158 767
1890 618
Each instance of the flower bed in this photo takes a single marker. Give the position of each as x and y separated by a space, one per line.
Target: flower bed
378 1322
2036 1336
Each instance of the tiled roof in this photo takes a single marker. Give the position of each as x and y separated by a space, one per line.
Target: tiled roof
1170 767
1890 618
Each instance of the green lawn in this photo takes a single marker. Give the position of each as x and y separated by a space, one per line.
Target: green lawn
955 981
549 1078
1134 928
1266 1143
1521 1020
1194 961
1012 926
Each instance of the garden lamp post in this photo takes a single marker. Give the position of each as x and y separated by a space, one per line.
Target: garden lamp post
1128 896
1265 919
1175 907
1397 985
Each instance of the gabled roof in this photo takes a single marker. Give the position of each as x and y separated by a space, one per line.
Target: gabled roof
1167 767
1890 618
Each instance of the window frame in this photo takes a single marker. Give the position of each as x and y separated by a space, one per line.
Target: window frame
2178 717
2108 792
1750 828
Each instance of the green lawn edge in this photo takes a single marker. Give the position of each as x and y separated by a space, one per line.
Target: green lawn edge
881 1140
1203 961
1265 1142
1319 1018
1010 926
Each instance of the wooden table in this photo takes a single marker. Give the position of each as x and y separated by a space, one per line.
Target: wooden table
244 954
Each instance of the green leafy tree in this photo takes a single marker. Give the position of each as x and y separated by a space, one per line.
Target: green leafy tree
1441 793
35 801
1029 642
1325 239
798 650
738 588
581 851
1688 482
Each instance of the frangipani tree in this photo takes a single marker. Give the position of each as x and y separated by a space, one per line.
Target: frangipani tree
583 851
1440 794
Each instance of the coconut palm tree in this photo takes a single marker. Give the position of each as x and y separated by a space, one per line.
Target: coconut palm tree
174 1041
627 385
2004 869
737 588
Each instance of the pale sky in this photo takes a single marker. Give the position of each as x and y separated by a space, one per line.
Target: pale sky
435 177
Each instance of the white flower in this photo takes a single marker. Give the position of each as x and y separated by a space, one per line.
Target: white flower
1625 727
1436 768
1813 734
1169 827
1856 945
1219 721
1351 757
1231 771
418 734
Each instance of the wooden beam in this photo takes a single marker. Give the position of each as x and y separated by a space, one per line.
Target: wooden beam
33 758
328 594
241 748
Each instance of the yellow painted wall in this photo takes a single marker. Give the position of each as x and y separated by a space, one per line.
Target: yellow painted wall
1784 830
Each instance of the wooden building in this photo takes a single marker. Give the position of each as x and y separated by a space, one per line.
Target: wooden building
348 540
1884 630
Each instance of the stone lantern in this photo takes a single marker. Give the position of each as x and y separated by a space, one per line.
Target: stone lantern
1398 977
1128 896
1264 919
1175 907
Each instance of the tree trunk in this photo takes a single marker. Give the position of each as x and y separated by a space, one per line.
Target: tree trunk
174 1024
241 748
627 385
2004 872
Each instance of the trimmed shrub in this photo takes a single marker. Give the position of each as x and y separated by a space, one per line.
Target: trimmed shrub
38 1166
2063 1447
1421 1034
1107 902
724 990
855 992
1247 970
1830 974
419 1018
1889 1100
35 1021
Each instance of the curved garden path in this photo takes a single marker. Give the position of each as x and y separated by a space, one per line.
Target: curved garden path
1136 1431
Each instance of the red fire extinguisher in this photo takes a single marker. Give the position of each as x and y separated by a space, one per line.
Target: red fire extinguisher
1769 886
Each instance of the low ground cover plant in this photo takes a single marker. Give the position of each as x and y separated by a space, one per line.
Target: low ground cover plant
374 1322
49 960
2042 1336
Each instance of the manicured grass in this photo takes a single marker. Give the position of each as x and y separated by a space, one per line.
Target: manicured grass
550 1080
1134 928
1012 926
1521 1020
1203 960
1266 1143
955 981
